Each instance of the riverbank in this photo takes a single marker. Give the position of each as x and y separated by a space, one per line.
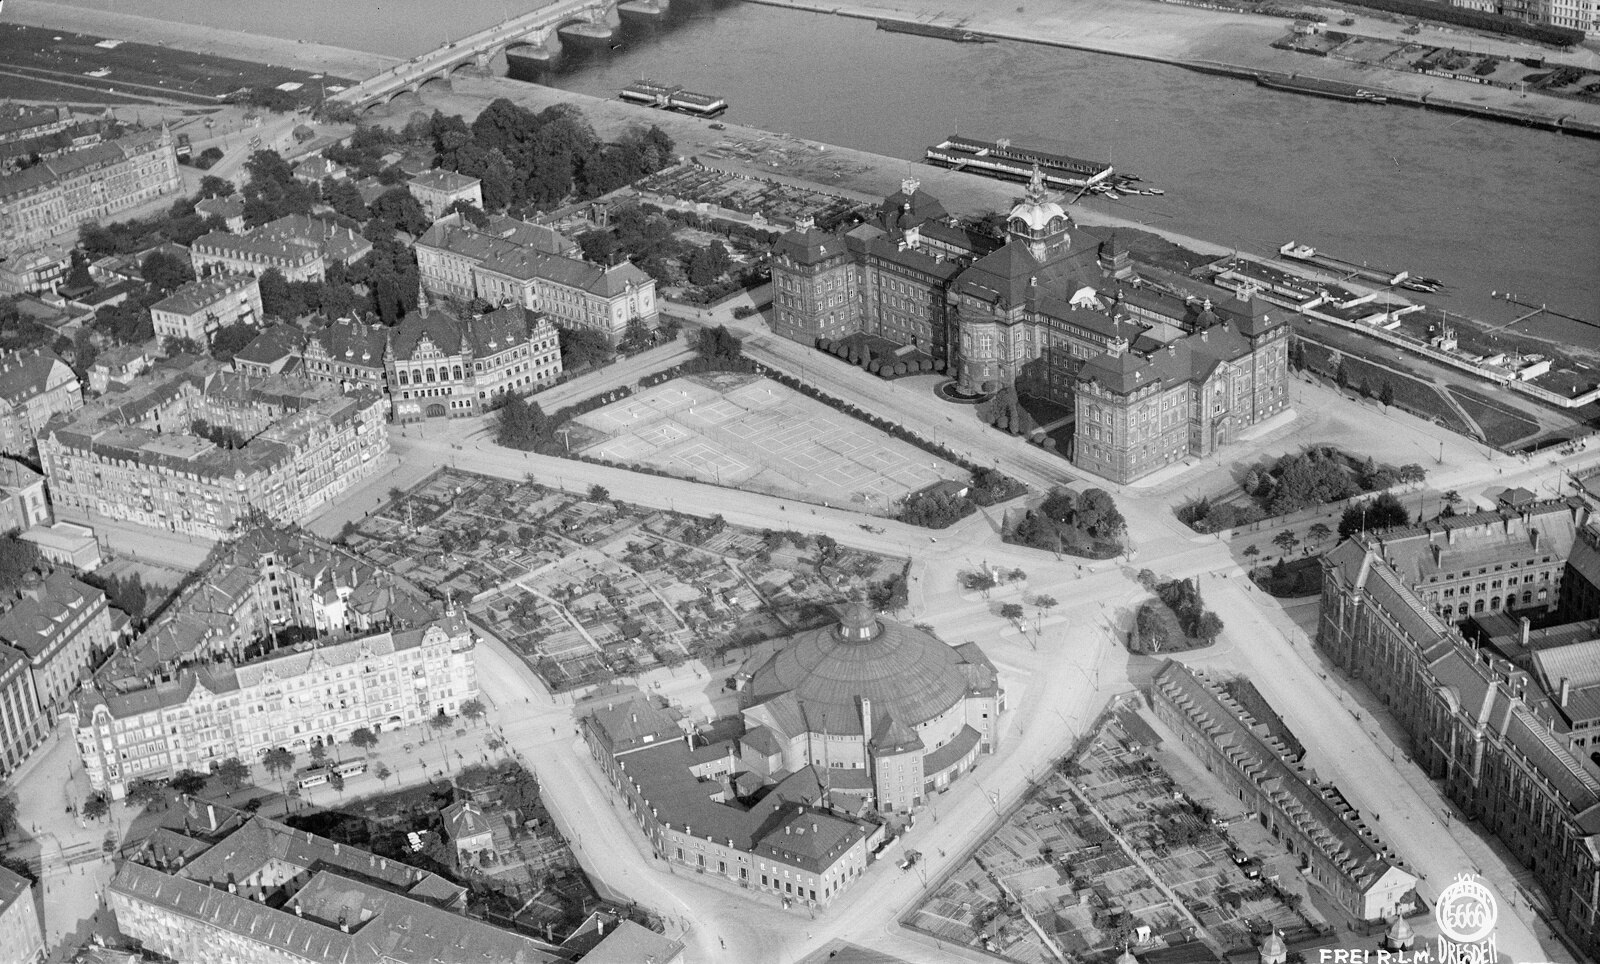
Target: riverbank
1240 45
198 38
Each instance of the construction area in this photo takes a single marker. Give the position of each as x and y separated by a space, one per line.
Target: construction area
1107 852
760 436
587 589
762 201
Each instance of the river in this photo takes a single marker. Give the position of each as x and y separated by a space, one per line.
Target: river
1482 205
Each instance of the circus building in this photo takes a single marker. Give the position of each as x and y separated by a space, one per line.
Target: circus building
882 711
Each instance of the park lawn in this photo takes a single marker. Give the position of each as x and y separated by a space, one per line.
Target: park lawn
1411 394
1501 426
1302 577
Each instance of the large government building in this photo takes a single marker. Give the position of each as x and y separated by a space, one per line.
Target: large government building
195 450
1157 366
1508 722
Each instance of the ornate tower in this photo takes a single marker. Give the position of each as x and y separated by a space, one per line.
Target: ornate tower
1038 223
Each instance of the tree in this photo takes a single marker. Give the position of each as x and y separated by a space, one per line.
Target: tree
583 347
719 344
213 186
164 272
336 780
1412 474
8 811
1250 551
279 761
1208 627
1011 611
1384 512
383 773
1098 515
522 424
599 493
439 723
1045 604
364 739
144 791
345 198
1386 393
473 710
1318 532
96 807
401 209
78 276
1286 540
189 782
16 559
981 581
233 772
319 754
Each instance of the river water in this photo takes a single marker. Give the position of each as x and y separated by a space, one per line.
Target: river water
1482 205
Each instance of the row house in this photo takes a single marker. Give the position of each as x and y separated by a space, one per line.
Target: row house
300 247
313 694
305 444
56 195
1339 851
34 386
201 308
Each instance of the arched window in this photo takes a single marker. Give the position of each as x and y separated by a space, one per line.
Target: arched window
458 373
1527 597
403 379
430 374
1494 603
1462 610
1477 606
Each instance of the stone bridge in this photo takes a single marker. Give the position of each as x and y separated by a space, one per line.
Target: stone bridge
477 50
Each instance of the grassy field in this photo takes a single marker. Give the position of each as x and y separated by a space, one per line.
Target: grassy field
1501 426
1411 394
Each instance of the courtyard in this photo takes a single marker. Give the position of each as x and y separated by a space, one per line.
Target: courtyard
757 435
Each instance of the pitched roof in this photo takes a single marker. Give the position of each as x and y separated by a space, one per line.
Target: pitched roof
45 605
448 182
26 374
198 295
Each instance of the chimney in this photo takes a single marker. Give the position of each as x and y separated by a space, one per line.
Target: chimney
211 815
1534 535
336 848
297 911
1525 627
344 924
600 926
1566 691
787 830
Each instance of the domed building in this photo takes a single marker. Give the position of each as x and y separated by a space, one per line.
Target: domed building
883 711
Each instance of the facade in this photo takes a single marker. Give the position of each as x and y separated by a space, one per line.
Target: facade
885 713
22 500
58 624
316 694
437 189
276 351
56 195
65 544
34 271
514 262
1574 14
300 247
34 386
1157 368
467 829
700 805
349 354
229 210
140 455
218 884
1501 746
119 366
1339 852
441 366
23 726
20 932
204 307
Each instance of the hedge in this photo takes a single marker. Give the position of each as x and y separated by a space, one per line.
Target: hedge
1537 32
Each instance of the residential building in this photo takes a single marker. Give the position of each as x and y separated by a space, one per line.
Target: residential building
218 884
258 584
1500 745
700 807
440 365
1339 851
229 210
300 247
349 354
316 169
1581 15
56 195
34 271
1158 369
59 624
467 829
276 351
120 365
514 262
34 386
203 307
22 499
312 694
436 190
149 456
887 713
21 933
22 122
630 943
23 726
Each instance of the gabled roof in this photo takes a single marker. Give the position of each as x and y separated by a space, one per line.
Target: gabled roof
24 375
809 246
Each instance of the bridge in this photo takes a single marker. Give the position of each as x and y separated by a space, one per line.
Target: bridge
477 50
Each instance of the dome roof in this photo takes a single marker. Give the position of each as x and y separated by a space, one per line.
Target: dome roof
1400 930
1036 210
1272 946
1127 957
908 675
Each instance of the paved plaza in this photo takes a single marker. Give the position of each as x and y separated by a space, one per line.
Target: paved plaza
758 435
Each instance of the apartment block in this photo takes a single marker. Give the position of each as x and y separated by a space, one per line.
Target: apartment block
56 195
34 386
204 307
168 452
